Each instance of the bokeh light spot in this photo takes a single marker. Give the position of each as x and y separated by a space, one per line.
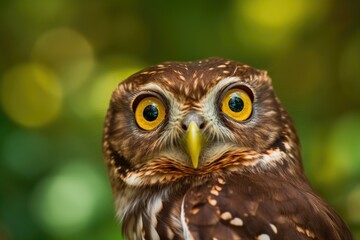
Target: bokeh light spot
274 13
68 201
94 100
353 205
101 92
68 53
31 95
271 25
342 152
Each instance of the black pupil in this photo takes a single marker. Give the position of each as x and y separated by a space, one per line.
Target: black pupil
236 104
150 113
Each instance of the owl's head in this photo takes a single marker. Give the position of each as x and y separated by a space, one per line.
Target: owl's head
181 119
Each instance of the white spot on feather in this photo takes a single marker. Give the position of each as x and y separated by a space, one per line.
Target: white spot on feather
212 201
226 216
214 192
273 227
263 237
236 222
221 181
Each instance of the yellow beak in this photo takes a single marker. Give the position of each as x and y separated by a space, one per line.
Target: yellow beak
193 143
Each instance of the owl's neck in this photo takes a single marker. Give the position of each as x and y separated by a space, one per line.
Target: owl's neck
140 210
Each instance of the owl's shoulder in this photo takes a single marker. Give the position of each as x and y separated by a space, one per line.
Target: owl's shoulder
261 207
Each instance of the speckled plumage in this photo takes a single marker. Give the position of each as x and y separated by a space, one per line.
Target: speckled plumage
250 182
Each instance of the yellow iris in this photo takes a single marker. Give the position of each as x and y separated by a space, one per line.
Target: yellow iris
149 113
237 104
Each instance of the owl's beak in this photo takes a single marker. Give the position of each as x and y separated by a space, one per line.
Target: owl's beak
193 143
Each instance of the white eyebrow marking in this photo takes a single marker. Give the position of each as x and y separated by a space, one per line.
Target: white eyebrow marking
175 105
156 88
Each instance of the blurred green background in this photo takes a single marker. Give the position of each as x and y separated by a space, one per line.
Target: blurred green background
61 59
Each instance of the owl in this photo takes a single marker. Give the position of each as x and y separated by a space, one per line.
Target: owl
205 150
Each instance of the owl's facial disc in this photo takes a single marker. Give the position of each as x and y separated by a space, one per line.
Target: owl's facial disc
193 133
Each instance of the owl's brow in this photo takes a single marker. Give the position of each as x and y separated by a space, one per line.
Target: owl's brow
153 87
221 85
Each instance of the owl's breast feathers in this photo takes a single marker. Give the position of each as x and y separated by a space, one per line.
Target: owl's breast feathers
238 207
248 207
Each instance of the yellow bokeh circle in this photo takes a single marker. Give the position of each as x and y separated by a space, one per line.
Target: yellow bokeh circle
103 87
68 53
31 95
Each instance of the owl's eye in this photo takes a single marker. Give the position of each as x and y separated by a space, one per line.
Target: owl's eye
237 104
149 113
